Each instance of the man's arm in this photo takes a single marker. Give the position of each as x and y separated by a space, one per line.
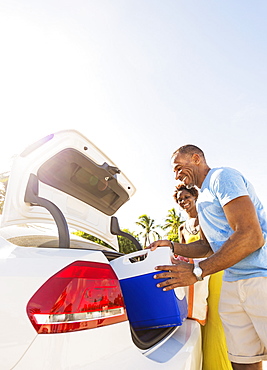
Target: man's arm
246 238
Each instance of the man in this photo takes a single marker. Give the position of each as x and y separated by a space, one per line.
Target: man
234 239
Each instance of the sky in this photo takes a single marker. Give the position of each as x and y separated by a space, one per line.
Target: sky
139 78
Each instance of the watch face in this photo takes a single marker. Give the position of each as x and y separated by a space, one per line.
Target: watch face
197 271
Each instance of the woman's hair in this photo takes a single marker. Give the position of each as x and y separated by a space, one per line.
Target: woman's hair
193 191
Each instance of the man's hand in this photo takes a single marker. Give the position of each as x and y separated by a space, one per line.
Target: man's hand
159 243
180 274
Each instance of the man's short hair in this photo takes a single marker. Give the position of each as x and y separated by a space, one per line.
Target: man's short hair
189 149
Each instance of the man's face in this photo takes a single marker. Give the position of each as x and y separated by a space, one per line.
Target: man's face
185 169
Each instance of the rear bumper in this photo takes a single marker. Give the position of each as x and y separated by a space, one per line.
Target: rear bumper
99 348
180 351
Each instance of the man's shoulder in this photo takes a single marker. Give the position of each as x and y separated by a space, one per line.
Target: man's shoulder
224 173
219 170
227 183
222 179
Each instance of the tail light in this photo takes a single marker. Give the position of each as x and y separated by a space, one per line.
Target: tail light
83 295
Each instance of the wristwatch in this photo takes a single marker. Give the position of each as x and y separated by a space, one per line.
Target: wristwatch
172 246
197 271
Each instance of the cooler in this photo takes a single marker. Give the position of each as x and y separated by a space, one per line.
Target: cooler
148 306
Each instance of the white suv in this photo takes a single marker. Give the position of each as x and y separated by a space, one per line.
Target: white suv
61 302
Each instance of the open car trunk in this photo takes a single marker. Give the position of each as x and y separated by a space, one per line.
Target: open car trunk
64 179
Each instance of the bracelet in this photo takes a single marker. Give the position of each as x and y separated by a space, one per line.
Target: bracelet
172 246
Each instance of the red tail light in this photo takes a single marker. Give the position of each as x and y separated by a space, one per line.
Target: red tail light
83 295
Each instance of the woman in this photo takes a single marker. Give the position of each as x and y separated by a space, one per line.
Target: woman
189 232
213 339
186 198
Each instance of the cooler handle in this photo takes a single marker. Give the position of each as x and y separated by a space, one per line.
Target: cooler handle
149 254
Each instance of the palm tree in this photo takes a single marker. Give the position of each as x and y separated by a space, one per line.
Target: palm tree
172 222
147 224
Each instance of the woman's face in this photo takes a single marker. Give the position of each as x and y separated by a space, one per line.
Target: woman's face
186 200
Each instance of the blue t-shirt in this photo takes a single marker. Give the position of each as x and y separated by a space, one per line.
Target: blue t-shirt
220 186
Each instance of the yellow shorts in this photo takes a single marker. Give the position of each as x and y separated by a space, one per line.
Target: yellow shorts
243 310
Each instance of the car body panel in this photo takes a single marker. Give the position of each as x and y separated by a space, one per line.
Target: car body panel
23 271
180 351
183 347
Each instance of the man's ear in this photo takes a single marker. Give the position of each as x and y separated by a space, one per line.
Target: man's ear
196 158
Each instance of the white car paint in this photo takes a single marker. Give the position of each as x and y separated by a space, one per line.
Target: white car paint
23 270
